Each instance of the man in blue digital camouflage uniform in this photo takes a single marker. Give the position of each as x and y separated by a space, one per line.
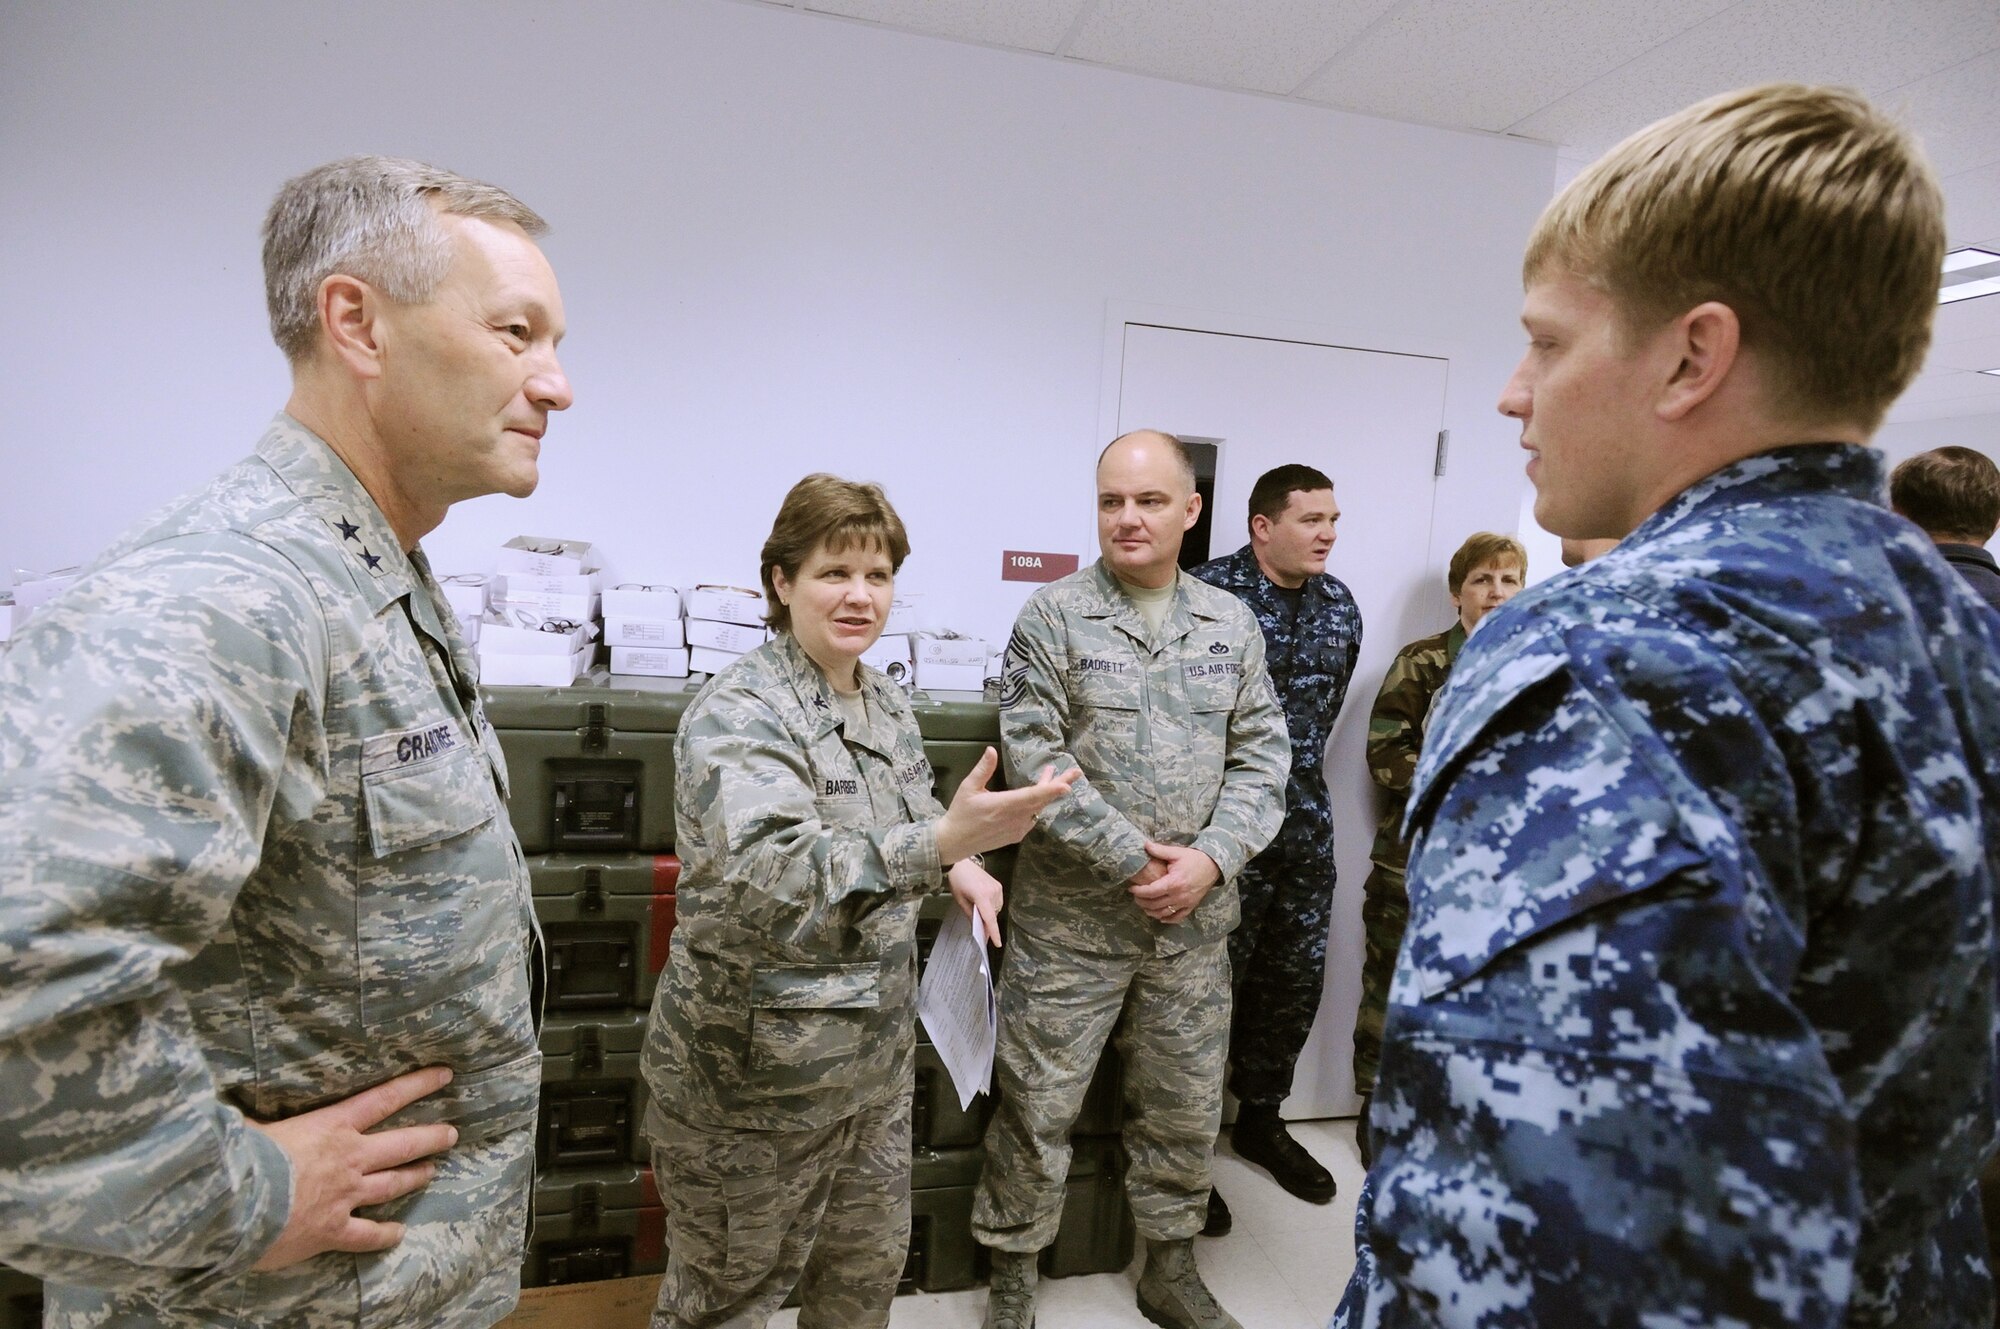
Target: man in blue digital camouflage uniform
1694 1020
267 952
1277 955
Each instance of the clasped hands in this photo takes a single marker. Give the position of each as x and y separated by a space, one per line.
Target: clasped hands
1175 880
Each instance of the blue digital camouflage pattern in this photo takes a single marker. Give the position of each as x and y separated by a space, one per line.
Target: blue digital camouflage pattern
1277 953
255 858
1694 1021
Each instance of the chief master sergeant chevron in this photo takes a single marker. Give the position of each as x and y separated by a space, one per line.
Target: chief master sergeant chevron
1153 684
267 957
1694 1020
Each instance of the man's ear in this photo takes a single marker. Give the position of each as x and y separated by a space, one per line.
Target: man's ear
1193 511
350 315
1706 342
1260 525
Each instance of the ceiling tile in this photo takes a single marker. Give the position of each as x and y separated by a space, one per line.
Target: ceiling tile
1028 25
1259 45
1485 64
1943 410
1977 354
1861 43
1954 385
1956 112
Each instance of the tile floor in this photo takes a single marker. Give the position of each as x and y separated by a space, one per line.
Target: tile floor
1282 1267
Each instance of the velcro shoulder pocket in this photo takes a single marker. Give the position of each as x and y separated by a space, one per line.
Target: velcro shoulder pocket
1545 809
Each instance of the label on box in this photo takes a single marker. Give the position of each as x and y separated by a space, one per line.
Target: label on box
669 663
736 638
726 604
575 608
951 678
949 651
525 585
643 631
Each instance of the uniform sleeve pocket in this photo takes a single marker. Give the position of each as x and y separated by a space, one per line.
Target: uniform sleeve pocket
409 808
1544 821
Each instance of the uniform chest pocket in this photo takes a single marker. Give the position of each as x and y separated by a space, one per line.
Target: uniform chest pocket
420 802
808 1022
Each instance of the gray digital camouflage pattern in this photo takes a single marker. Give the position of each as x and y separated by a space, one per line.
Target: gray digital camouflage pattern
1180 741
1395 738
788 1005
757 1212
1277 954
1694 1024
254 858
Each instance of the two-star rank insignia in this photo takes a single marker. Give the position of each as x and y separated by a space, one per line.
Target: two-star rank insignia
348 530
374 561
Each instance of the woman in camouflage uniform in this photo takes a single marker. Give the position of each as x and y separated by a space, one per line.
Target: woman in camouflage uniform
780 1053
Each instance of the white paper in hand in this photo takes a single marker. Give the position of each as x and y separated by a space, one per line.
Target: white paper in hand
955 1002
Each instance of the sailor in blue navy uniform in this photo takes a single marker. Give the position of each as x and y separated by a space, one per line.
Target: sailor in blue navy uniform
1694 1020
1953 495
1312 631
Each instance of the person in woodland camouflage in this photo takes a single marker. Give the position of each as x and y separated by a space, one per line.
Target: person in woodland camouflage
781 1050
1277 954
1694 1021
1153 685
1484 573
267 954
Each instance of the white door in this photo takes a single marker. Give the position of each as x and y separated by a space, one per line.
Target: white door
1370 420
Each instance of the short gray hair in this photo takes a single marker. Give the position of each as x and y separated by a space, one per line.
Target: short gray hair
374 218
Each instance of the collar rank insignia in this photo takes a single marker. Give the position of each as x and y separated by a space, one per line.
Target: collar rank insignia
374 561
348 530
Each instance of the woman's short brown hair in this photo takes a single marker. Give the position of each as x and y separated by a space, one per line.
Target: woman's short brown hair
1479 549
826 512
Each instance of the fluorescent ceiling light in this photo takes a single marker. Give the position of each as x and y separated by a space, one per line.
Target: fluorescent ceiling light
1969 273
1994 372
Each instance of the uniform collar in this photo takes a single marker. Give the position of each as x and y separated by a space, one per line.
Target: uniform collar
823 713
1115 605
1242 571
1976 555
1839 470
355 525
1454 642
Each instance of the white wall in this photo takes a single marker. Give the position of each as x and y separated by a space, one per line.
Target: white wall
786 243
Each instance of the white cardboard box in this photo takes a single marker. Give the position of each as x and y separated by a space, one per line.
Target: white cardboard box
889 648
576 608
960 651
736 638
519 635
543 557
669 663
526 585
635 600
726 604
708 660
465 592
951 678
903 617
468 628
33 590
648 632
544 671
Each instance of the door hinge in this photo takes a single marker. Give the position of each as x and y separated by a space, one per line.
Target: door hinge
1444 449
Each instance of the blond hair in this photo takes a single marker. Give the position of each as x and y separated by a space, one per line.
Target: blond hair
826 512
1806 211
1479 549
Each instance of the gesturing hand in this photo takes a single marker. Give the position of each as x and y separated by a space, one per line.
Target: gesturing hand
337 1167
1184 878
980 818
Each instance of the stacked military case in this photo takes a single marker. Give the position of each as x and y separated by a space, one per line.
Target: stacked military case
20 1300
591 776
591 788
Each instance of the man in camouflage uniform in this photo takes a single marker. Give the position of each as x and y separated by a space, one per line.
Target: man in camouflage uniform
1485 572
266 1018
1153 684
1277 955
1694 1023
